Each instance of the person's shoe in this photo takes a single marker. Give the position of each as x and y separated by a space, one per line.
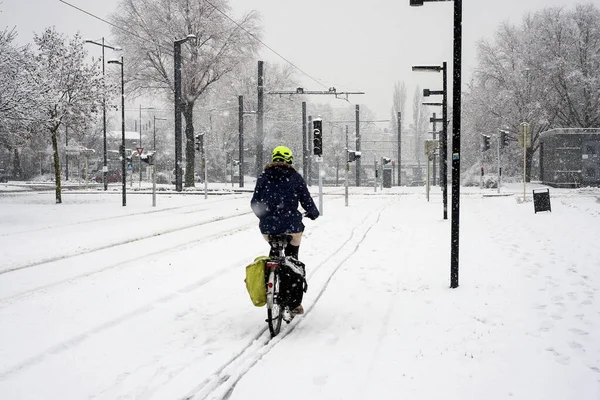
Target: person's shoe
298 310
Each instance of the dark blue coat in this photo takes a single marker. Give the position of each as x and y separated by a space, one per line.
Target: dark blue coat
275 201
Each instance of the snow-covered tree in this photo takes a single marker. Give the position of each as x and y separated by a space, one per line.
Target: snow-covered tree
544 71
220 46
17 90
69 89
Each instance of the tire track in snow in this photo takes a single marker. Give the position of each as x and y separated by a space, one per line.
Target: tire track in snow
70 343
221 383
202 207
6 301
121 243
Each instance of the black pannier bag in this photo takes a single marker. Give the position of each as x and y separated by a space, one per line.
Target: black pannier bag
293 282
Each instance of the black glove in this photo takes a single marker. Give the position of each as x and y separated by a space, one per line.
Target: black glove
312 216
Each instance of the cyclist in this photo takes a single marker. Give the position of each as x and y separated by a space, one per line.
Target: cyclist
275 202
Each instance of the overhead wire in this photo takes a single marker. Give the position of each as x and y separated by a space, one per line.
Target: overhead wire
221 12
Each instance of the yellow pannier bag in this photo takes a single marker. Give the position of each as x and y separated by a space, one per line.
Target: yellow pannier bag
255 281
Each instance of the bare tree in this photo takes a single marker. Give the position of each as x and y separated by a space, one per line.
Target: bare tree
399 105
420 122
147 30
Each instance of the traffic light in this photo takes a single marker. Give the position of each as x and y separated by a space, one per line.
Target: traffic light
485 144
503 139
353 155
148 158
198 142
317 136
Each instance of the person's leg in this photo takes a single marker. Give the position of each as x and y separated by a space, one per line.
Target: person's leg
293 247
272 252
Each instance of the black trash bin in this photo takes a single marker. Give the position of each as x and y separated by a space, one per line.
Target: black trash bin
387 178
541 200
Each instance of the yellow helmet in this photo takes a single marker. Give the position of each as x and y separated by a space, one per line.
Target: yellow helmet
282 154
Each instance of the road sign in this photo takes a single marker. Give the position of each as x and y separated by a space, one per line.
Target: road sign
140 150
430 147
524 134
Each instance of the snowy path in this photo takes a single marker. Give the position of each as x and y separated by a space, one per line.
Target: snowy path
166 316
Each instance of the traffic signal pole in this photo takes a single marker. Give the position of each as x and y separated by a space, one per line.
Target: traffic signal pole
347 168
498 169
317 130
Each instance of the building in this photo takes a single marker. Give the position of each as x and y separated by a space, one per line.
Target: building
570 157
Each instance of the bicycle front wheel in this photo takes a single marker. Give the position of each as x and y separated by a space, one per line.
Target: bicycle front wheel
274 307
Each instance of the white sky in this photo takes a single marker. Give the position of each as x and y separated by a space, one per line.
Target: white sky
352 45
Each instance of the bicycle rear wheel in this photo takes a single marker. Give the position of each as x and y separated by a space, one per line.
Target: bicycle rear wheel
274 306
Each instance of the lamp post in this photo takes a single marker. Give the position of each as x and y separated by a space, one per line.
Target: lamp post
456 109
154 137
177 86
123 171
444 142
104 165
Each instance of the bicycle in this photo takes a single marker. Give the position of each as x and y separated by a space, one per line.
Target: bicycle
276 307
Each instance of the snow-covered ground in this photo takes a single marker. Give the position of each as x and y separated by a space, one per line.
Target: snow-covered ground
103 301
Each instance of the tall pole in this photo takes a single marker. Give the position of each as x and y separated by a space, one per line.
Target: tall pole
154 134
456 108
241 138
259 122
140 146
177 82
347 167
104 165
434 163
304 143
66 154
445 139
399 148
310 143
524 164
358 162
498 170
123 158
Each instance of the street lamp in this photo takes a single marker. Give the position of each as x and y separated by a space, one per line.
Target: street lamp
177 86
444 142
123 171
456 108
156 119
104 167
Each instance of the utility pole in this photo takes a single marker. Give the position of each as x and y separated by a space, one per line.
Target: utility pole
259 122
399 148
434 138
305 153
241 138
310 151
358 163
346 167
67 155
